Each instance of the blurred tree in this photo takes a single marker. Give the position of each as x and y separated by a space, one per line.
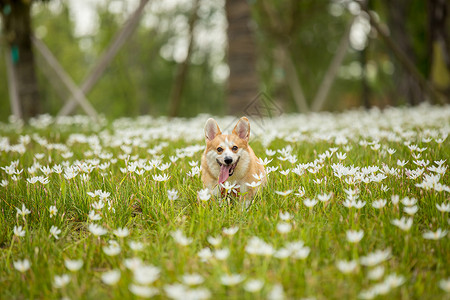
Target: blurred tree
182 69
17 32
55 28
280 22
410 55
305 46
243 79
397 19
439 48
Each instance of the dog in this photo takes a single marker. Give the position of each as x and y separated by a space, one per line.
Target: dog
229 158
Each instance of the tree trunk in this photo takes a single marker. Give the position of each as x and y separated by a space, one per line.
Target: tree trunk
17 31
182 69
243 79
285 58
439 48
405 82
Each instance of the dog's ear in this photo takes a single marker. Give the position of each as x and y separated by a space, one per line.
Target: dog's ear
211 129
242 129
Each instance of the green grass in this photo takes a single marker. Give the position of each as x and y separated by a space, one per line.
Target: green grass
140 203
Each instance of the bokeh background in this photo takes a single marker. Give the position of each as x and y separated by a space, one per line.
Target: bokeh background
180 58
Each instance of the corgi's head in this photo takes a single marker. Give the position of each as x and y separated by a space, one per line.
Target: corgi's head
226 152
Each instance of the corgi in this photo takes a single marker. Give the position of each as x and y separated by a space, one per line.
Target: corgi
229 158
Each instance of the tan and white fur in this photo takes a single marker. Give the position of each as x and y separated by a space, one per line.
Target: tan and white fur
228 157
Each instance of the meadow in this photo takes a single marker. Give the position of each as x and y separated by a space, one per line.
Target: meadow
356 207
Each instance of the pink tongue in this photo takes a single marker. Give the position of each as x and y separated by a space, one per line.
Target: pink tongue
224 173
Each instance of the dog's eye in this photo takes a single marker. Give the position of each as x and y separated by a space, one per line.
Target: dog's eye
234 148
219 149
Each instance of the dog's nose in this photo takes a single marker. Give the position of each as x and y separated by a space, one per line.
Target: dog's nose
228 160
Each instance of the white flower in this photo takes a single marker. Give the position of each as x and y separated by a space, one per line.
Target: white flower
324 197
103 195
403 223
351 192
57 169
257 246
376 273
283 193
347 266
439 234
70 173
112 250
409 202
367 294
359 204
94 216
259 176
53 210
283 227
61 281
73 265
395 199
55 231
132 263
282 253
271 169
177 291
270 152
121 232
97 230
24 211
229 186
32 180
180 238
222 254
401 163
204 195
394 280
22 265
354 236
276 293
410 210
444 284
192 279
391 151
143 291
215 241
194 171
285 172
205 254
161 178
253 285
110 277
254 184
18 231
301 192
374 258
285 216
341 156
98 205
378 204
230 231
146 274
301 253
135 246
381 288
443 207
232 279
310 203
172 195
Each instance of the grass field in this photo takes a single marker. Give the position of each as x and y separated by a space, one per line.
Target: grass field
356 206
